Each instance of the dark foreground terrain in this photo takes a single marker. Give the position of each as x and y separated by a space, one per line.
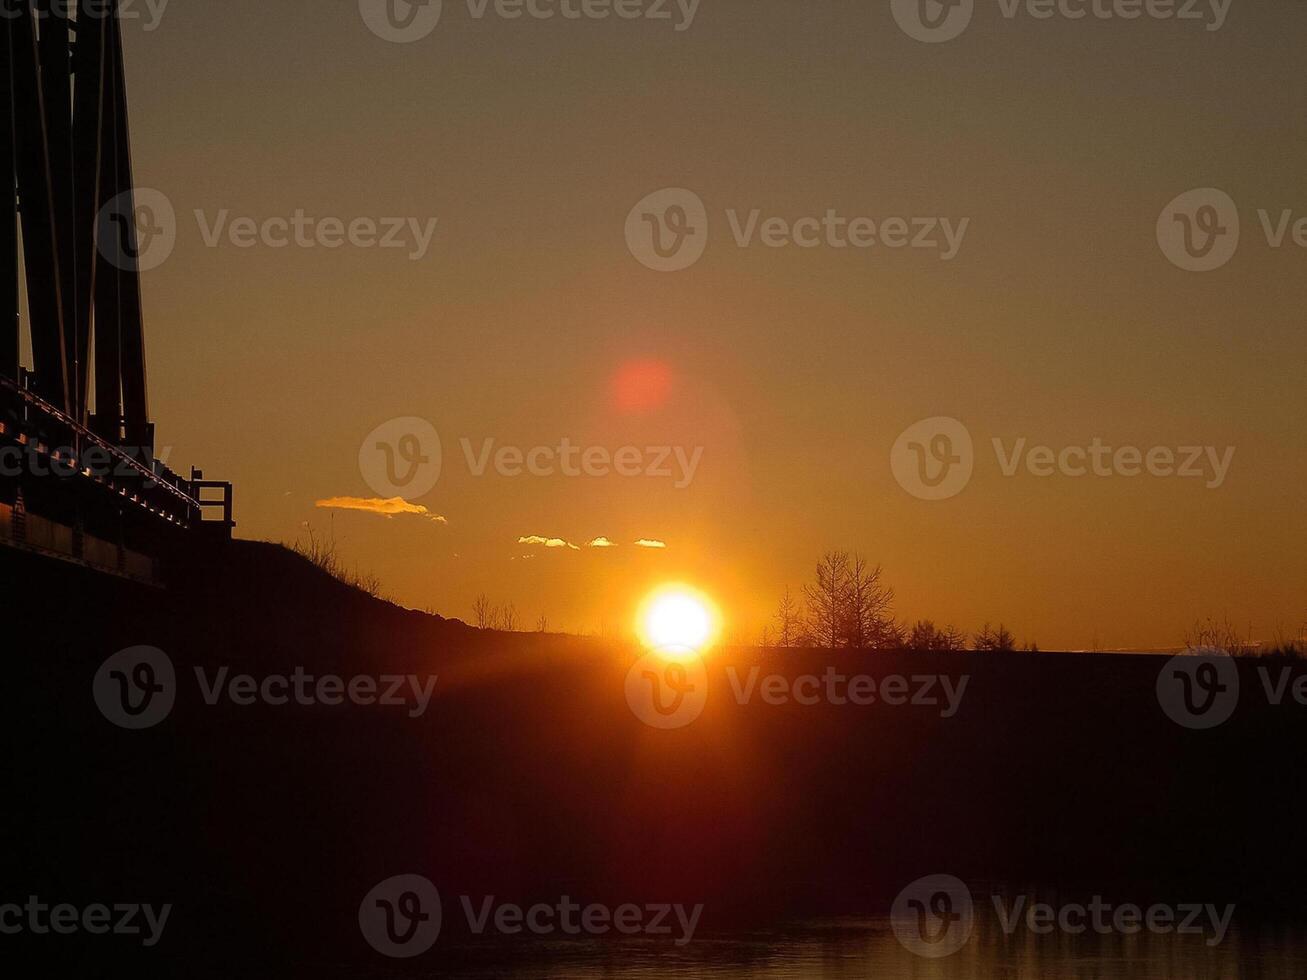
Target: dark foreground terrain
529 777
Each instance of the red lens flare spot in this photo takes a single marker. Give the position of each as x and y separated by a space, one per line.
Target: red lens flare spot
641 386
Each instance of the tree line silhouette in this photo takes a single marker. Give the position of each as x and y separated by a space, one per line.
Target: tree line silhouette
848 604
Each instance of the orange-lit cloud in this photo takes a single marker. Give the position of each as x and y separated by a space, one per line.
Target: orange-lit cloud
650 543
601 542
548 542
394 507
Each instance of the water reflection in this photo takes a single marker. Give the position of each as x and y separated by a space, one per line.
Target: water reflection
867 949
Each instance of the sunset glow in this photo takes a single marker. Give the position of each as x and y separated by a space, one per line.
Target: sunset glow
680 619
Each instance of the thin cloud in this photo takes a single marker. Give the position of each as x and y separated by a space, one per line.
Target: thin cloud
650 543
394 507
536 539
601 542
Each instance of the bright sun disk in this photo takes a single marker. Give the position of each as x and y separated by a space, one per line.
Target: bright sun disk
678 618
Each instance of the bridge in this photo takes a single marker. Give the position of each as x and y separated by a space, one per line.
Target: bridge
79 478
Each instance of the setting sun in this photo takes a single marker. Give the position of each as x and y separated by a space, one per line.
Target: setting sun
678 617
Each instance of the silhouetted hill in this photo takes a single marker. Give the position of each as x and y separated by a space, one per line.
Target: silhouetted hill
529 776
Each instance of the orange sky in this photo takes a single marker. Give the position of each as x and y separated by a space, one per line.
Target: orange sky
794 370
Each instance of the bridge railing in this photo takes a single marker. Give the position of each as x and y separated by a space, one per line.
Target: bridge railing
131 471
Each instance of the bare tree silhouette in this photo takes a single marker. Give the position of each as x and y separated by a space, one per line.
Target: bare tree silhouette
925 636
868 600
789 622
485 614
848 605
827 599
998 640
